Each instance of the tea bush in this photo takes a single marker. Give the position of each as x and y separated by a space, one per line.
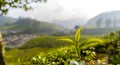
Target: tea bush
61 56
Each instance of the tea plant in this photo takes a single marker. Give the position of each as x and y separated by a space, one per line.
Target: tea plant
84 44
113 47
65 55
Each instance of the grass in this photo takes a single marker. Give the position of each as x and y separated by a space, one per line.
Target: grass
13 55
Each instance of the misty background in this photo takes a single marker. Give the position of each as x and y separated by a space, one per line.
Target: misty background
67 12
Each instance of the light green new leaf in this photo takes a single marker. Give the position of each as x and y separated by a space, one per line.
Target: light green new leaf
68 40
77 36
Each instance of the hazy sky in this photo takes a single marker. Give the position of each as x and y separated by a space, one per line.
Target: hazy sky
67 9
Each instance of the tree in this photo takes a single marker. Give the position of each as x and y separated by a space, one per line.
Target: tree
5 5
76 27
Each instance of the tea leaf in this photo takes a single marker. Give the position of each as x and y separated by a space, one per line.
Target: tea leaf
77 36
68 40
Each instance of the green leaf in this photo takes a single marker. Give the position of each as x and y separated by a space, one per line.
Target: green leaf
77 36
91 42
68 40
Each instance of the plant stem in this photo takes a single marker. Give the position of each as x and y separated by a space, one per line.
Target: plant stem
77 49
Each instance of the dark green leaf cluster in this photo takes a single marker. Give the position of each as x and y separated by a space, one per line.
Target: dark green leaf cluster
113 47
5 5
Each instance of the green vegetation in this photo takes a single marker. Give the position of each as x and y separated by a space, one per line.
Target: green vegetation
32 48
4 21
51 50
45 42
63 55
83 45
58 50
113 47
25 55
36 46
30 26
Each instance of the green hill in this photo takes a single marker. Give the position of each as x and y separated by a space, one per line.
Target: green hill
27 25
4 20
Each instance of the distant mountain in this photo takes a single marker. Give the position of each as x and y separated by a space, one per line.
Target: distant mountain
69 24
27 25
4 20
103 23
105 20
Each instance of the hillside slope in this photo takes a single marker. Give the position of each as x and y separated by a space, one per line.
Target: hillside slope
4 20
105 20
27 25
103 23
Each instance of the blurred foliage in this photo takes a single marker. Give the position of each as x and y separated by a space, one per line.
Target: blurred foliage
76 27
5 5
113 47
